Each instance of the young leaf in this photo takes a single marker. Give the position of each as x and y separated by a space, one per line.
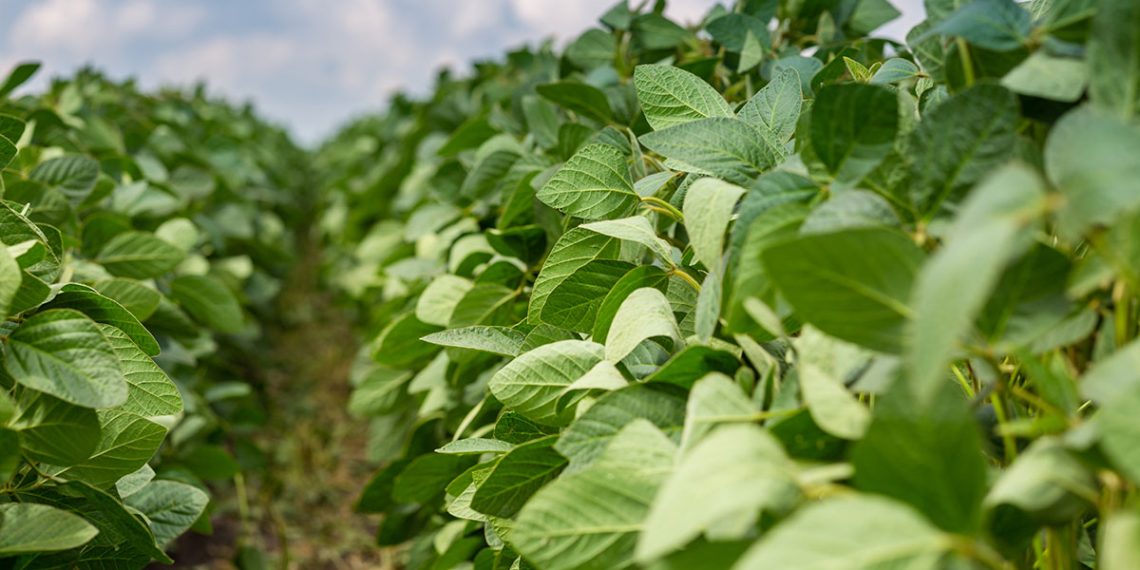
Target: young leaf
594 184
644 314
636 229
776 107
670 96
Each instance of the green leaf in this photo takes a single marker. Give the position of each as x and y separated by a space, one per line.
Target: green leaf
637 278
853 128
594 184
670 96
573 250
955 283
854 285
586 100
854 533
10 278
139 255
29 528
895 70
63 353
170 508
106 311
1048 77
1121 547
1114 59
636 229
1047 482
708 208
126 443
151 393
427 476
497 340
720 488
209 301
485 304
775 109
399 346
18 76
1087 158
584 440
53 431
644 314
714 399
475 446
574 303
959 142
516 476
728 148
73 175
824 364
531 383
925 451
135 297
1119 428
591 519
999 25
438 301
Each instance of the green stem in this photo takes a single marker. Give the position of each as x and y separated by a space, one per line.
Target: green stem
658 202
686 278
967 63
1008 442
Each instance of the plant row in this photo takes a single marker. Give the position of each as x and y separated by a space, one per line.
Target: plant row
764 292
144 240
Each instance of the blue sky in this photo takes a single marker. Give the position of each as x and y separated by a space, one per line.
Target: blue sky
309 64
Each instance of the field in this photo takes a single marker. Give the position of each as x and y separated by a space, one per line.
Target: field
763 292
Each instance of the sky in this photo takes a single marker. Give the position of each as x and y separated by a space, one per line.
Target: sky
308 64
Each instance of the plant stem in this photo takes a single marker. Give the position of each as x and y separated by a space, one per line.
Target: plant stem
686 277
658 202
967 63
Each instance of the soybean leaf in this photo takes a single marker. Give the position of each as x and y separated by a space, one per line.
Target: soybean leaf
670 96
776 107
589 435
209 301
573 250
853 128
139 255
725 147
63 353
29 528
1114 59
531 383
636 229
644 314
854 285
584 99
516 476
170 507
498 340
708 208
594 184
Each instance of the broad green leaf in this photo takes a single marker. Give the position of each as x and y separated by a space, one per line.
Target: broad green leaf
209 301
18 76
714 400
139 255
636 278
9 454
853 127
437 302
1119 424
591 519
531 383
854 285
706 315
132 483
853 533
925 450
895 70
999 25
824 365
399 345
29 528
485 304
1047 482
150 392
1048 77
127 442
644 314
516 476
581 98
170 508
426 477
54 431
378 393
498 340
74 175
708 208
106 311
574 303
63 353
850 209
719 488
729 148
1088 159
135 297
671 96
573 250
594 184
1114 60
959 142
1113 378
587 437
955 282
8 151
636 229
776 107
